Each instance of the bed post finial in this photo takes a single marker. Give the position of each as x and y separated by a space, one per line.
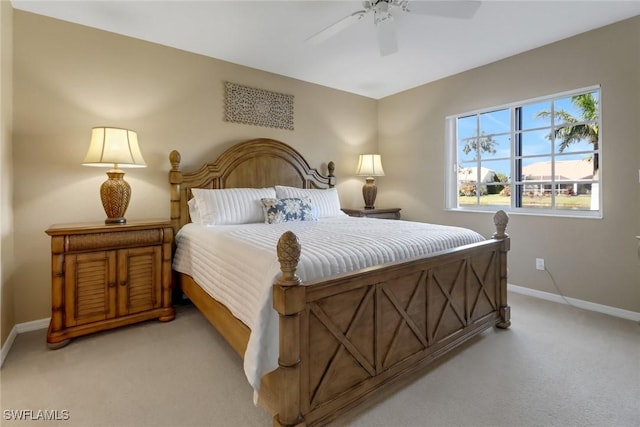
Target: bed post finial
174 158
500 220
288 256
289 300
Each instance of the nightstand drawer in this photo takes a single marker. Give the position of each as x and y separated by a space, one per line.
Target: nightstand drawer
386 213
116 239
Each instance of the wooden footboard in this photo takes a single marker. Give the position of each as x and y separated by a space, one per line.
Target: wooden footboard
345 337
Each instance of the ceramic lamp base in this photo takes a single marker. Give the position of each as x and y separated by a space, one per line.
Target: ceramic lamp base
115 194
369 193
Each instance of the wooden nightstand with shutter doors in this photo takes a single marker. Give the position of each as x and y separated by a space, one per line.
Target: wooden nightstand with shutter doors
106 276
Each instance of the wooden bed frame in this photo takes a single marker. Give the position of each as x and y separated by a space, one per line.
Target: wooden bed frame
343 338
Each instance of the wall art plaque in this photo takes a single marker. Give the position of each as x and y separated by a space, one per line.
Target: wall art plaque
258 107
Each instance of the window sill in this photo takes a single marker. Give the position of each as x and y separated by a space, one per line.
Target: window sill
530 212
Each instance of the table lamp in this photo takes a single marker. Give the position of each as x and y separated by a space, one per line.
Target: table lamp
118 148
370 165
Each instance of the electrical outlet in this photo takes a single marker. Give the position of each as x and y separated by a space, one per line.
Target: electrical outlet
539 263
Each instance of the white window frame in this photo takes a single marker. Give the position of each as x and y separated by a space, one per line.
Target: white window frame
451 161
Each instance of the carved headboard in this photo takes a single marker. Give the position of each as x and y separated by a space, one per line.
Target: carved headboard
256 163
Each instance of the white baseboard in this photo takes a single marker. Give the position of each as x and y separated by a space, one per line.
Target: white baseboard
7 345
33 325
605 309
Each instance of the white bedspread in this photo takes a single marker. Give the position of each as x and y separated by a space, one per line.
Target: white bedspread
237 264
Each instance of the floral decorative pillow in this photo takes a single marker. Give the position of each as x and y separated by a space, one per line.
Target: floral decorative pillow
326 203
285 210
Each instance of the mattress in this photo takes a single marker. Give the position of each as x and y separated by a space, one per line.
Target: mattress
237 264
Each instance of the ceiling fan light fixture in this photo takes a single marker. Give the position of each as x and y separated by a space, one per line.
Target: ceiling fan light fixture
384 21
381 12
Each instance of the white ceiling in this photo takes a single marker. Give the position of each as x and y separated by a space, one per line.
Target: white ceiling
270 35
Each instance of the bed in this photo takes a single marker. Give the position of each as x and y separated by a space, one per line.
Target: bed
340 337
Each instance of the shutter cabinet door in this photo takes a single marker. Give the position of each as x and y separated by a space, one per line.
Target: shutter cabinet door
139 277
90 287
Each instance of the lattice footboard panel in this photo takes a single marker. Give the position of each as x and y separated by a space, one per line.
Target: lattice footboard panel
365 331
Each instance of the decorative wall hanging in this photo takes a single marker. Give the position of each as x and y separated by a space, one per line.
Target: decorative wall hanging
258 107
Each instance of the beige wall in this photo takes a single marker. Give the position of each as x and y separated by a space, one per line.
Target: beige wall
69 78
6 180
592 260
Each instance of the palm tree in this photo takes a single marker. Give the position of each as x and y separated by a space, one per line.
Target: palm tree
576 129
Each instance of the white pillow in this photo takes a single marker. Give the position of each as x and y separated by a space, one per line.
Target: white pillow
193 211
326 203
231 205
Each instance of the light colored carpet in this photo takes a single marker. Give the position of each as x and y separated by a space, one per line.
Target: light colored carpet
556 366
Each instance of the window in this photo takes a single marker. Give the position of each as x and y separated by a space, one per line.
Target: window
539 156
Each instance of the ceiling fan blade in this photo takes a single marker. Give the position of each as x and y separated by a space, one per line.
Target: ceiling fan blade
387 40
335 28
448 9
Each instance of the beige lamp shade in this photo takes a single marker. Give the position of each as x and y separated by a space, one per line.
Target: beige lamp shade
114 147
370 165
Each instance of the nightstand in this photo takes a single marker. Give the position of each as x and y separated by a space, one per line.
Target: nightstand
388 213
106 276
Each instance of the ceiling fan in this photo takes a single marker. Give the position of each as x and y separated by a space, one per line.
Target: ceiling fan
383 10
